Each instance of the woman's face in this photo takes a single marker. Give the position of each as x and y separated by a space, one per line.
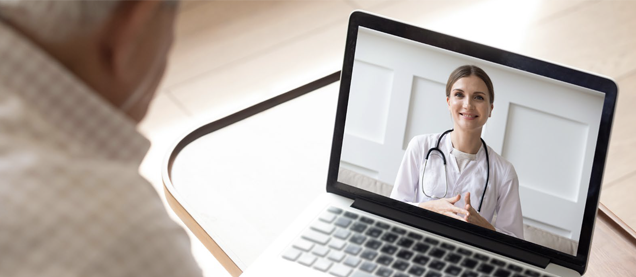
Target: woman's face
469 103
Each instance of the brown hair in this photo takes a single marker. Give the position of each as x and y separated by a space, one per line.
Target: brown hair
467 71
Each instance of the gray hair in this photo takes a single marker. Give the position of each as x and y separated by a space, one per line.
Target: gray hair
56 20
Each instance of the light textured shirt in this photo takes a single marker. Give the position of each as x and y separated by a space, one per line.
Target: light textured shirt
72 201
462 158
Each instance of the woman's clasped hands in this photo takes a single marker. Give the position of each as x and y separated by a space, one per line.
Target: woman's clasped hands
446 206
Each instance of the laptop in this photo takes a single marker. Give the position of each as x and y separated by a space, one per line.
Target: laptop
537 187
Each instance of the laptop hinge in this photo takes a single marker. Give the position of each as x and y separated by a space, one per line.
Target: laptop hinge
448 231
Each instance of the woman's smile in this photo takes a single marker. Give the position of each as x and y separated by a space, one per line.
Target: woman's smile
468 116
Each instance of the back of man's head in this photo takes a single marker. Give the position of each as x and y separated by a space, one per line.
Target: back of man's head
118 48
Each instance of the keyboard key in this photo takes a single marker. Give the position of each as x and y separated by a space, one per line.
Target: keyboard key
358 227
400 274
431 241
337 244
485 268
420 247
351 215
405 254
447 246
414 236
322 265
398 230
336 256
303 245
357 239
405 242
437 265
343 222
416 270
389 237
340 270
292 254
320 250
352 261
335 210
453 270
342 233
384 260
384 272
498 262
481 257
422 260
532 273
468 263
366 220
373 244
361 274
353 249
316 237
307 259
382 225
327 217
519 275
374 232
515 268
322 227
437 253
368 266
464 251
433 274
470 274
502 273
453 258
369 255
400 265
389 249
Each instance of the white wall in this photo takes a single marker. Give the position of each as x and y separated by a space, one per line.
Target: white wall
546 129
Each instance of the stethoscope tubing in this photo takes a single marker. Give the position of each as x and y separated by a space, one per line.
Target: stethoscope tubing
436 149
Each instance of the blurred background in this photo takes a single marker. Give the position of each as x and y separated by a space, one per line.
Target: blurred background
229 55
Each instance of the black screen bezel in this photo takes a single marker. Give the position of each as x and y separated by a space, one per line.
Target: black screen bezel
498 56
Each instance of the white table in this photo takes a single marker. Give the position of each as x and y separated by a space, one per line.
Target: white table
245 182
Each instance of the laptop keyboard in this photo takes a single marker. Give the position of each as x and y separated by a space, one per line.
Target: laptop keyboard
347 244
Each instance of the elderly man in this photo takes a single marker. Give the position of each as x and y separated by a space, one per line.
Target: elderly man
75 78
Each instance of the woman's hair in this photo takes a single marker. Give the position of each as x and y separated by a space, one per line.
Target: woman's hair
467 71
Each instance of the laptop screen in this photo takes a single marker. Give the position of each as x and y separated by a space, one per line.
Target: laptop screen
478 138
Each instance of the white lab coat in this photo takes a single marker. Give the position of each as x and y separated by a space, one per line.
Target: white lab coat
502 195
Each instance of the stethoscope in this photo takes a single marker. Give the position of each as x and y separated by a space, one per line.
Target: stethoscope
436 148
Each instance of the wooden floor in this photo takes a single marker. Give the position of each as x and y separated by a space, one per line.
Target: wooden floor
229 55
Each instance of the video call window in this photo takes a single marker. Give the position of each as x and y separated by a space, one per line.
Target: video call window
518 158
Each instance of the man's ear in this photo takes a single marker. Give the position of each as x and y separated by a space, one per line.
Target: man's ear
122 33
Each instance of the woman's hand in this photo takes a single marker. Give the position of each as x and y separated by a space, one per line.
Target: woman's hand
445 206
472 216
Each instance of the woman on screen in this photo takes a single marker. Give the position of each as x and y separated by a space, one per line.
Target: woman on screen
455 173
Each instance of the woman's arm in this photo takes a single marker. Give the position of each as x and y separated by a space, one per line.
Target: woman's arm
509 218
407 178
